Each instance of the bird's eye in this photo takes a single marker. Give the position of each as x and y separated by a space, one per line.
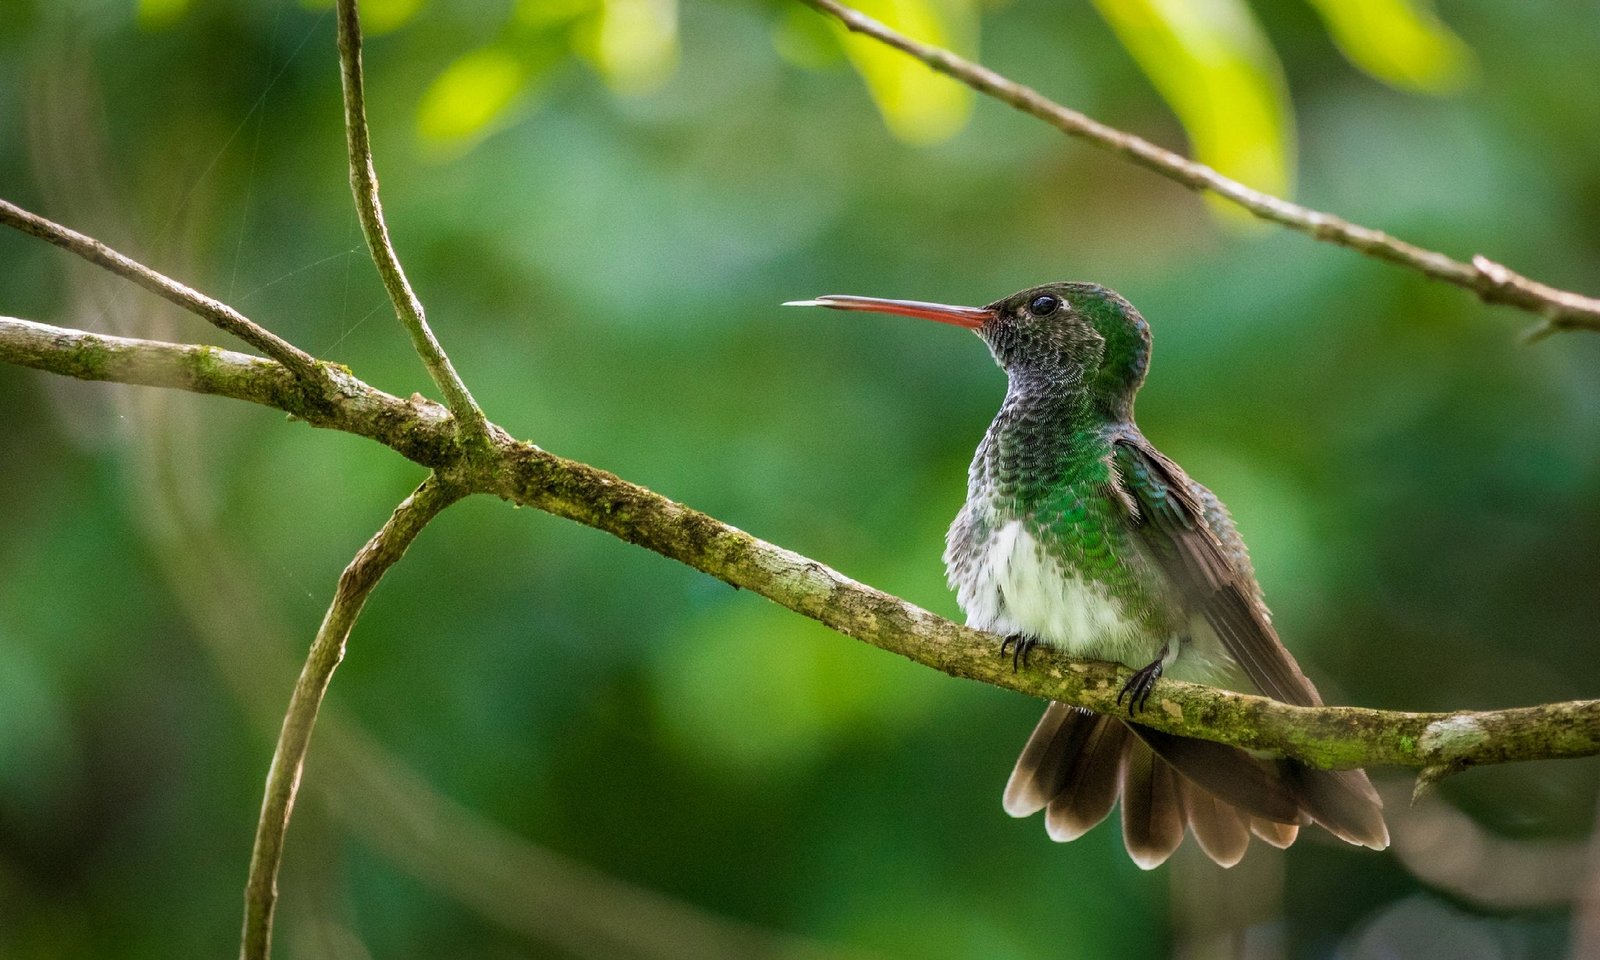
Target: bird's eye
1045 305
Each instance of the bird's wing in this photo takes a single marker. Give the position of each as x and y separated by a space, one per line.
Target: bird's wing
1166 514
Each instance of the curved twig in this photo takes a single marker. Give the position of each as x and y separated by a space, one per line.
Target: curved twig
524 474
364 184
371 562
1491 281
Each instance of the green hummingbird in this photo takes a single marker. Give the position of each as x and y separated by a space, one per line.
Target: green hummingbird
1079 535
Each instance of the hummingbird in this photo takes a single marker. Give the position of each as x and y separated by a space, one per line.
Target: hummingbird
1079 535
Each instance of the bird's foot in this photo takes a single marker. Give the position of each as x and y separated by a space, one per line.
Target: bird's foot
1021 645
1138 687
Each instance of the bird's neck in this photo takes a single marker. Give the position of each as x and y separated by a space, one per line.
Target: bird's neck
1045 436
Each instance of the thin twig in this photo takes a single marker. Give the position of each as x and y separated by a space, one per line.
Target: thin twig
524 474
219 314
1491 281
283 778
364 184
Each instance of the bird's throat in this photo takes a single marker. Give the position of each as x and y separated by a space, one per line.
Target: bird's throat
1042 437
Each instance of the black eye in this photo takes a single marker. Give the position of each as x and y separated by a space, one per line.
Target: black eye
1044 306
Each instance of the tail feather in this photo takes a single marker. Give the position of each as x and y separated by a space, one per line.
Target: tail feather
1093 777
1221 830
1077 764
1233 775
1280 835
1342 802
1042 770
1152 810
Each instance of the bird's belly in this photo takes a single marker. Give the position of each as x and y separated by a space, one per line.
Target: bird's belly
1011 585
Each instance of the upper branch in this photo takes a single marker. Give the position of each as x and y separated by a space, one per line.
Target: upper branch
216 312
364 184
524 474
1491 281
371 562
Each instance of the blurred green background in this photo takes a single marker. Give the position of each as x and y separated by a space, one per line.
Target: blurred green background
546 743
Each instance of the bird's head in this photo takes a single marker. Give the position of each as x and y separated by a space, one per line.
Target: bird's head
1057 337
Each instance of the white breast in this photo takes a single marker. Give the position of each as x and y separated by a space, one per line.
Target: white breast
1015 587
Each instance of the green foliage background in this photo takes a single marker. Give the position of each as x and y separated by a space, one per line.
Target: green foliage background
604 256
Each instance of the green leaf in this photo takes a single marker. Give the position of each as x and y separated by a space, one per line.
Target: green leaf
918 105
543 14
159 13
1212 63
633 44
1399 42
377 16
805 40
381 16
463 103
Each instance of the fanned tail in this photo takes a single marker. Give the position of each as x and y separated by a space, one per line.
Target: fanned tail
1077 764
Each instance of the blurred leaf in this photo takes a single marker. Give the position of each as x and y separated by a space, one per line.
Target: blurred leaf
469 96
381 16
1400 42
540 14
804 39
159 13
633 43
1210 61
918 105
377 16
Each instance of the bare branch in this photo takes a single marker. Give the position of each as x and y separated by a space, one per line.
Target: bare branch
364 184
386 547
524 474
303 364
1492 282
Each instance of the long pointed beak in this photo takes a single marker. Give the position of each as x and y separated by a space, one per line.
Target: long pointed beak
970 317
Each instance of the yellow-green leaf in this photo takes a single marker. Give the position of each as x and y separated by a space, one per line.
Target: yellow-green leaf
1212 63
805 40
540 14
381 16
918 105
1401 42
159 13
377 16
470 96
633 43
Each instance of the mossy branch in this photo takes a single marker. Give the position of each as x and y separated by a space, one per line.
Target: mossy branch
522 473
1491 281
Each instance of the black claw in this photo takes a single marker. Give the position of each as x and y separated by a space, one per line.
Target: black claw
1139 687
1021 645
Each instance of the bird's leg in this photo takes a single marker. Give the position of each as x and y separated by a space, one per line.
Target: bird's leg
1138 687
1021 645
